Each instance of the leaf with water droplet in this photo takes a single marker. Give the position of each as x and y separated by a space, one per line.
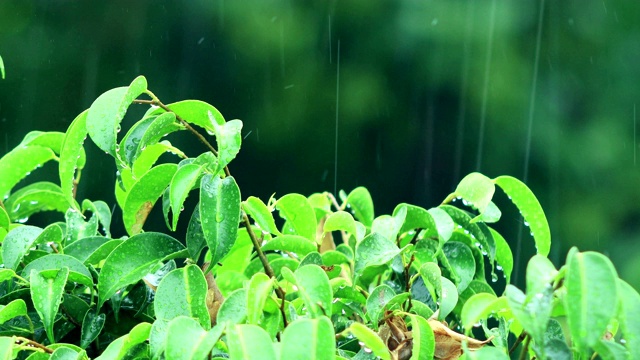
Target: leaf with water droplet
530 208
183 292
108 110
295 208
91 327
17 243
184 180
19 162
36 197
219 199
72 157
261 214
373 250
362 205
46 293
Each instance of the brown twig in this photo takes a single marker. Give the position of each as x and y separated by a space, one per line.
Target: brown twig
21 340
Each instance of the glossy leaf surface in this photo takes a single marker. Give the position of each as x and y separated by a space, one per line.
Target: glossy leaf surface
219 213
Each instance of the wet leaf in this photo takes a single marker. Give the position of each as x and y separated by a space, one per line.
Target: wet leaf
261 214
504 257
17 243
219 214
340 220
260 288
72 159
376 303
121 346
186 339
296 209
183 291
479 307
291 243
370 340
589 275
13 309
46 294
133 259
182 183
249 342
374 249
312 339
479 231
77 271
108 110
91 327
423 338
20 162
462 262
228 140
530 209
36 197
195 235
389 226
314 289
360 202
234 308
477 190
143 194
629 313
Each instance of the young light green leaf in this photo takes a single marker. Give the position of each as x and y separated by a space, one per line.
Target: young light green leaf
249 342
196 112
46 294
261 214
424 342
4 220
133 259
416 218
589 275
228 139
476 189
370 339
389 226
72 157
102 252
219 213
91 327
444 223
374 249
360 202
17 243
66 353
629 313
20 162
260 288
187 340
108 110
479 306
376 302
312 339
292 243
183 181
120 347
533 311
102 211
13 309
530 209
183 291
314 289
540 274
143 194
448 298
340 220
296 209
77 228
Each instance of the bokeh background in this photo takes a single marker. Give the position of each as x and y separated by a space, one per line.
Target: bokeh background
409 96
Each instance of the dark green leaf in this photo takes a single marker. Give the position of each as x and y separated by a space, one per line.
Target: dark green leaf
195 235
91 327
479 231
13 309
461 261
122 345
219 214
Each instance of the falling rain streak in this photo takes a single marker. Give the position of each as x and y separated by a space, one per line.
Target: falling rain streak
485 89
335 161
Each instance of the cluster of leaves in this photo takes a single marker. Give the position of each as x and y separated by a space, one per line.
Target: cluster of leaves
247 285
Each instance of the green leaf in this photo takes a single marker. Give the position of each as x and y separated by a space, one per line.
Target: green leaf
183 291
249 342
219 213
6 343
448 298
83 248
540 274
133 259
589 275
370 339
187 340
91 327
228 139
77 271
444 223
158 128
36 197
102 252
376 303
530 209
476 190
533 311
65 353
629 313
102 211
504 257
423 338
389 226
296 209
122 345
195 235
608 349
13 309
479 230
17 244
260 288
416 218
312 339
479 307
77 228
20 162
261 214
148 157
71 157
183 181
143 194
108 110
234 308
461 261
314 289
3 74
46 294
292 243
4 220
374 249
50 139
360 202
340 220
196 112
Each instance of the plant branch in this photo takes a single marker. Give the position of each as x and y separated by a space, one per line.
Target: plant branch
30 343
518 341
525 348
183 122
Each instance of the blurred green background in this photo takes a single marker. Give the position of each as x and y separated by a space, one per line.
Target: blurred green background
412 94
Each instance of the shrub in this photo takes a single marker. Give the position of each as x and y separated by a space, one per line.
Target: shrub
245 285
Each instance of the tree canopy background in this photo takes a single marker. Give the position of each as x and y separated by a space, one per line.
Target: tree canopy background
409 96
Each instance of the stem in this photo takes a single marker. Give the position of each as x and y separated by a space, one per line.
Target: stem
525 348
164 107
517 342
21 340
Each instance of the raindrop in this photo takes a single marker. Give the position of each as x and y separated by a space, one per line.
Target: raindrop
494 277
526 224
23 220
33 202
219 217
16 208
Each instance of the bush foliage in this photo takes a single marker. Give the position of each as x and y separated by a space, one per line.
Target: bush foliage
326 278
